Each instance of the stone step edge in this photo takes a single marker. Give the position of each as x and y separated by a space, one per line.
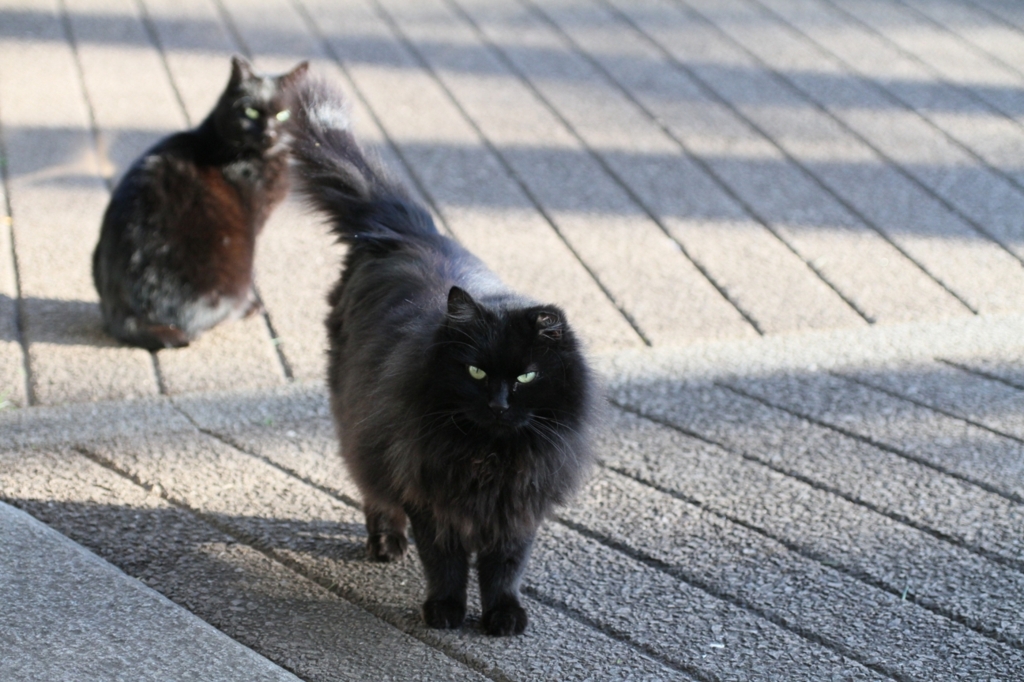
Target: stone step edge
623 370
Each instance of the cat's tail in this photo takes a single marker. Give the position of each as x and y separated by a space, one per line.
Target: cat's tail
339 180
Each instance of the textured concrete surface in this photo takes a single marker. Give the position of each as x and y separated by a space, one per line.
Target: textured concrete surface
52 589
788 230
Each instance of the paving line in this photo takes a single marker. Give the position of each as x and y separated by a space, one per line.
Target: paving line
813 400
978 49
814 102
1009 562
99 146
19 305
894 450
386 17
994 12
950 413
322 41
893 97
710 91
154 38
603 163
724 595
796 548
987 375
700 162
823 560
1015 564
784 597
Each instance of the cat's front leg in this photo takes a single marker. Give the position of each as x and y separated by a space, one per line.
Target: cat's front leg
446 567
500 572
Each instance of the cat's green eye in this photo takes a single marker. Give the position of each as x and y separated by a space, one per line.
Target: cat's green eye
477 373
283 115
526 378
252 113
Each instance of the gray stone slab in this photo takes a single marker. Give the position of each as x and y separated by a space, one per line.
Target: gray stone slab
255 600
986 198
810 598
286 518
985 401
196 47
642 267
918 223
944 578
684 625
1006 365
70 615
57 197
881 480
851 256
758 272
52 426
870 51
996 32
948 444
957 60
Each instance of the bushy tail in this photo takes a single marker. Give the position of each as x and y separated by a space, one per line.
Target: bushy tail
338 179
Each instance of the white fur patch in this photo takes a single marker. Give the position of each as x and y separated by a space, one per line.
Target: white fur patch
330 115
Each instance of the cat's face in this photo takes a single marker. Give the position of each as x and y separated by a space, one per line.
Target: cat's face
506 370
255 110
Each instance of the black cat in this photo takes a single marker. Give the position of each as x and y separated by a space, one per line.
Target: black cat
461 405
176 248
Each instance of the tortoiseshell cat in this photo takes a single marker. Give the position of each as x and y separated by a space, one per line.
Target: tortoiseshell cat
461 405
176 248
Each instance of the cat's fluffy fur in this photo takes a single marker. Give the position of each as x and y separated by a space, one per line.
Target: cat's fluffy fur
461 405
176 247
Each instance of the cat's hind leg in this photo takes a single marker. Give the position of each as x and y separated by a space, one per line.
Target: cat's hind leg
446 567
253 305
385 527
500 572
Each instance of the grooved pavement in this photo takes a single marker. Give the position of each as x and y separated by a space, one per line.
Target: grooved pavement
789 231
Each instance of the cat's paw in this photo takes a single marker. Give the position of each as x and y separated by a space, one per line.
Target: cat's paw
444 614
255 308
502 621
386 546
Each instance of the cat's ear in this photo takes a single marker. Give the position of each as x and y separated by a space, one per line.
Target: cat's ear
290 79
241 70
549 323
461 306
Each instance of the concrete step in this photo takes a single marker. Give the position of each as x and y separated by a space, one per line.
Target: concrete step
70 615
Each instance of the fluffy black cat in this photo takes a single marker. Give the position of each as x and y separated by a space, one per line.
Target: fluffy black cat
462 406
176 247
